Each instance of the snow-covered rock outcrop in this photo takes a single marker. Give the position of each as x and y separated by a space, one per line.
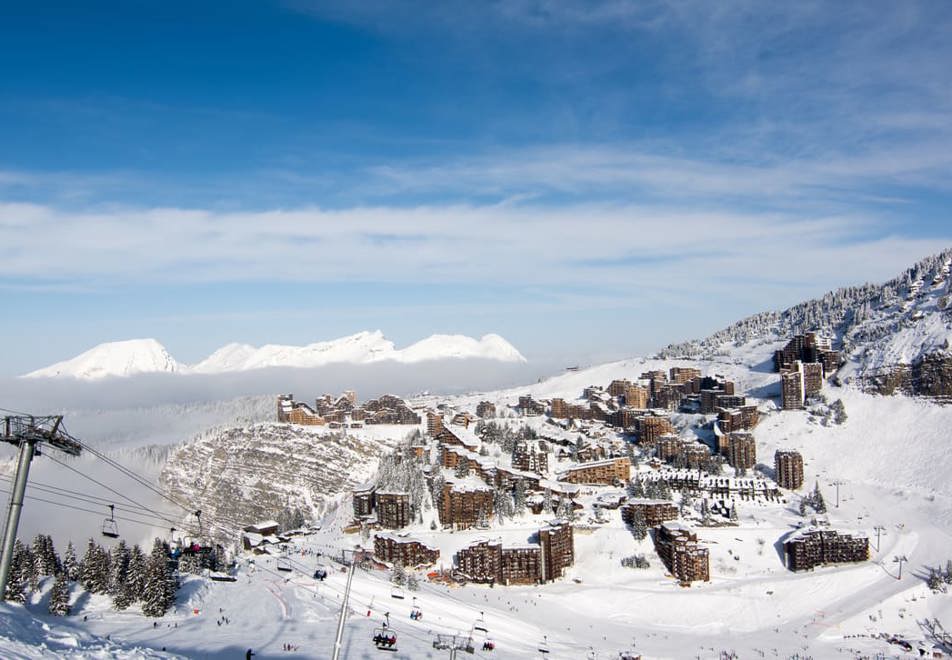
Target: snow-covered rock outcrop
240 475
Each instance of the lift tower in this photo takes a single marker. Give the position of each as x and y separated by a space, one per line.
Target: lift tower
26 432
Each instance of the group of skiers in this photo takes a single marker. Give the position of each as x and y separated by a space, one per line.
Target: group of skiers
385 639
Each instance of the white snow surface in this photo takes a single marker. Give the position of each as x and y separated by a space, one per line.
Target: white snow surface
117 358
138 356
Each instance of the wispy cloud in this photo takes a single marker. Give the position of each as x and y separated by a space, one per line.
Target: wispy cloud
582 244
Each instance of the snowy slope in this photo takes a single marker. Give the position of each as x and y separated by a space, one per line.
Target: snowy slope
127 358
876 326
117 358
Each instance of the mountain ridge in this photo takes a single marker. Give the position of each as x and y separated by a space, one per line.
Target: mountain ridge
141 356
876 327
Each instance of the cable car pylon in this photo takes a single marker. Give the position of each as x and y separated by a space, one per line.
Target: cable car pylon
26 432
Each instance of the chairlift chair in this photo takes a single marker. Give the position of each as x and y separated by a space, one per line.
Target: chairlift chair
489 645
284 564
544 646
480 624
415 612
109 526
397 592
385 639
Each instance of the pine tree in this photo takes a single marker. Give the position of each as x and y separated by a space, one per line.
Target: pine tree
119 575
547 505
639 527
135 581
734 512
44 555
158 584
519 498
399 575
95 571
462 468
412 583
818 502
70 565
59 596
29 570
566 509
16 582
501 504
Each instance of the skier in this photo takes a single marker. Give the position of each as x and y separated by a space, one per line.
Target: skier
248 654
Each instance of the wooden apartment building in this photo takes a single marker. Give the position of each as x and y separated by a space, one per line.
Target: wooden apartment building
488 561
741 450
788 468
404 550
654 512
815 547
466 502
604 472
678 548
485 409
393 509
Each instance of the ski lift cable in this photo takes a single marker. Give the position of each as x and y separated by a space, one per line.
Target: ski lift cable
16 412
85 497
109 488
77 508
161 521
133 475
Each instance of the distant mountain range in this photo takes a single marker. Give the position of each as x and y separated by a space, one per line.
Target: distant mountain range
142 356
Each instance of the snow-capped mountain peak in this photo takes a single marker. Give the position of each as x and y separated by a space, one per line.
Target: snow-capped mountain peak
147 355
116 358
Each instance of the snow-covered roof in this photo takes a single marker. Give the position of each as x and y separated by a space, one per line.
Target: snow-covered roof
402 538
468 483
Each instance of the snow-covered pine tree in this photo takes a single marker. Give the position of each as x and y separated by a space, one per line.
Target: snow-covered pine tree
566 510
119 575
819 504
639 527
59 595
462 468
16 582
519 498
500 504
687 502
413 584
44 555
95 571
399 575
28 567
157 598
547 505
70 564
135 580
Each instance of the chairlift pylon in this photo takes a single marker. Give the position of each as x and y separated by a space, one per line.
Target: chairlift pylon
109 526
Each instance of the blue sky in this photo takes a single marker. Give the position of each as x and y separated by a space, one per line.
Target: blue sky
590 180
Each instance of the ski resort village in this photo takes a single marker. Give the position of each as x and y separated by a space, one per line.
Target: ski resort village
777 490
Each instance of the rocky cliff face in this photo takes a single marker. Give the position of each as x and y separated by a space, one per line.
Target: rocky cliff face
237 476
930 376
